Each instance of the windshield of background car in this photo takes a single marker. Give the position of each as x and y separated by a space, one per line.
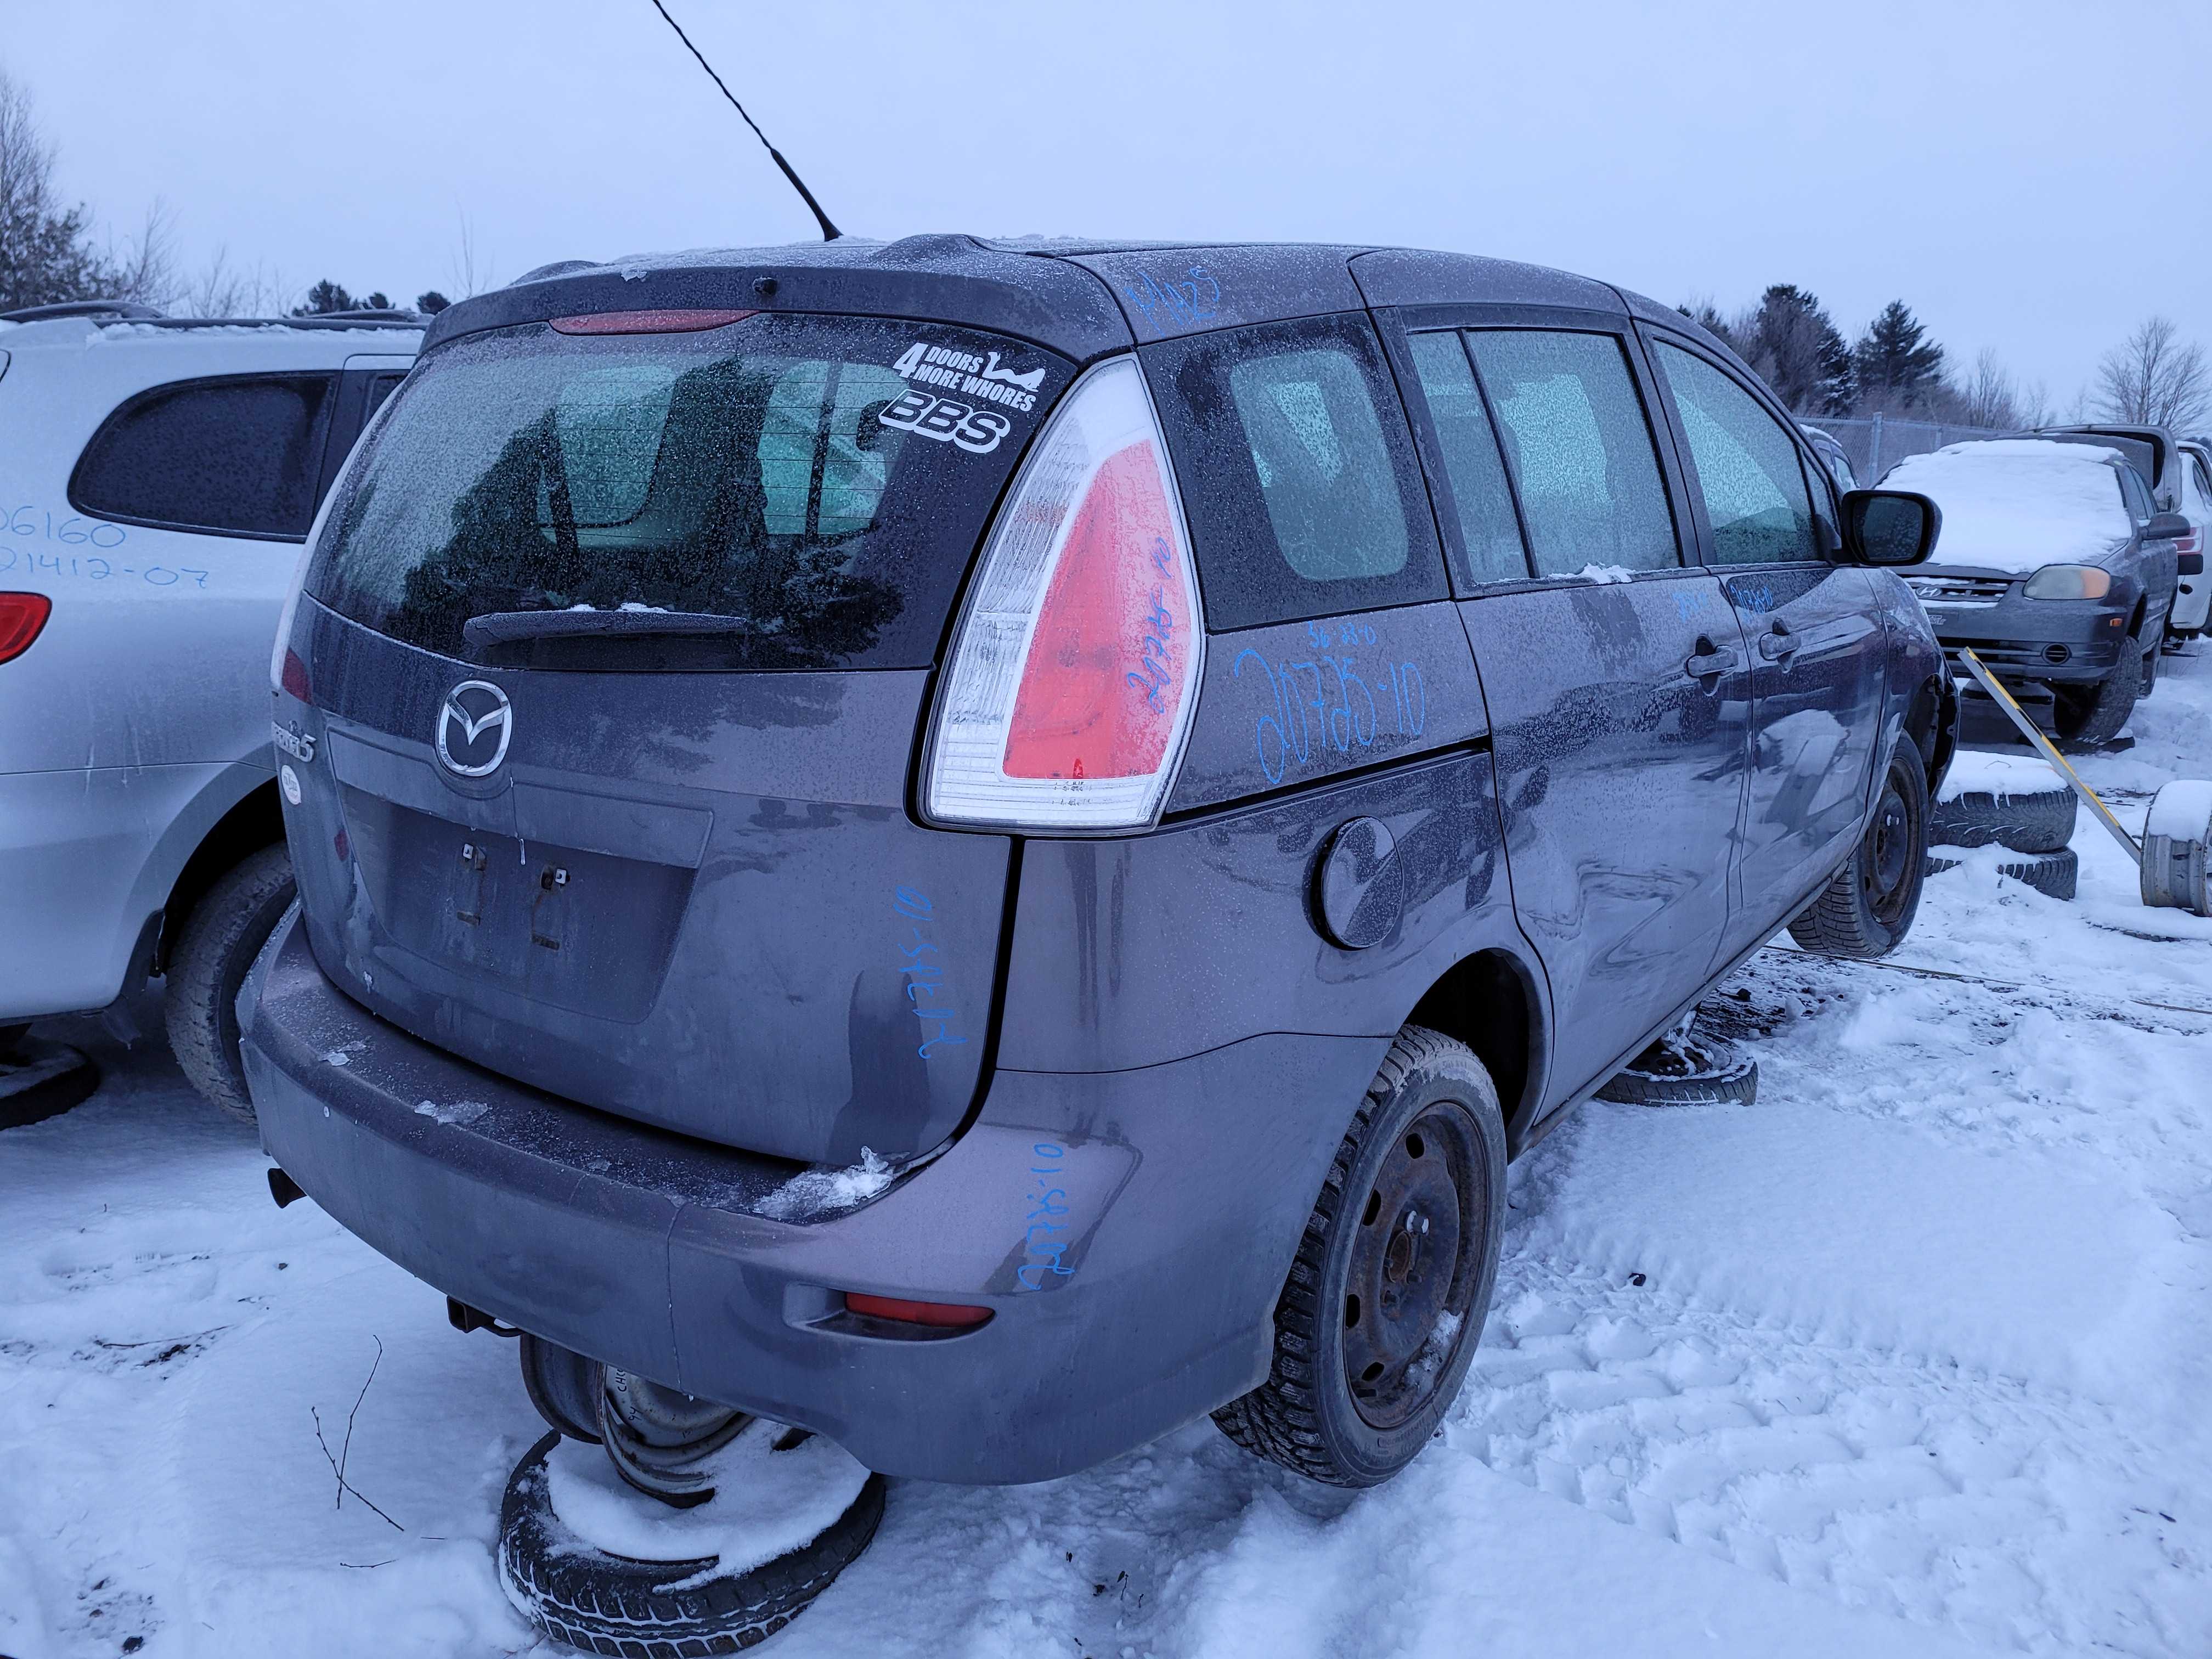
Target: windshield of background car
820 481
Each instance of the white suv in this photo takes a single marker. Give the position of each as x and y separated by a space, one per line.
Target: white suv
2192 599
157 476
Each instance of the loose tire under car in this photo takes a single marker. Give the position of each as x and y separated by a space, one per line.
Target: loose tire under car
1693 1070
2056 873
2040 820
579 1593
1385 1301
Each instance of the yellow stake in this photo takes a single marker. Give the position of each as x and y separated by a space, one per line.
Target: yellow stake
2034 735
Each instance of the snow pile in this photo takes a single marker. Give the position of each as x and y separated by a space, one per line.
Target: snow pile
2182 811
823 1192
2019 503
1606 572
766 1503
1976 773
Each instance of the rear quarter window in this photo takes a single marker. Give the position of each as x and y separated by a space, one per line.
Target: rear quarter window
1297 471
234 456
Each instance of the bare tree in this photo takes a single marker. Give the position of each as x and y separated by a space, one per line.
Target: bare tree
46 251
472 270
1989 395
145 267
220 289
2152 377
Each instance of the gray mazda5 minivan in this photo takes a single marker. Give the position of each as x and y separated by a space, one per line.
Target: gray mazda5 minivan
986 849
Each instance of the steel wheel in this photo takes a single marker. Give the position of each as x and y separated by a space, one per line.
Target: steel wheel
1409 1282
658 1437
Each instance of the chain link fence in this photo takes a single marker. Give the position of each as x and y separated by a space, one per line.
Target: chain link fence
1876 443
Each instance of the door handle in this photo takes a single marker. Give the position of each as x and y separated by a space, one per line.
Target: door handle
1710 661
1777 644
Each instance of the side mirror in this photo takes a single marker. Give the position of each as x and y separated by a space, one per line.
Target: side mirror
1888 526
2165 527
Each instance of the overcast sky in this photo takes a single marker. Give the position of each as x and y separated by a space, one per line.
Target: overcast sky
2031 176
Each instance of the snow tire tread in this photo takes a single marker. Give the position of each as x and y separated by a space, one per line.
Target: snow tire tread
2056 873
1838 923
606 1604
1280 1420
2035 821
221 937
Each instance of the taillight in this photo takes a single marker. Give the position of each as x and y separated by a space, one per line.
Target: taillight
293 680
1070 688
21 617
2192 543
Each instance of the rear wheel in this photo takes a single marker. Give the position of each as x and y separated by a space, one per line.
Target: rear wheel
2092 714
1868 906
1385 1301
226 931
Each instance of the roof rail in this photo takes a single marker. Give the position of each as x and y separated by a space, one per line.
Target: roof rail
121 310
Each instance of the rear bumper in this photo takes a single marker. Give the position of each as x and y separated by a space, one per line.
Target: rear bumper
1132 1286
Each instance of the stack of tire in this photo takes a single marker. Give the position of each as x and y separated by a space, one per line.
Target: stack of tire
2014 802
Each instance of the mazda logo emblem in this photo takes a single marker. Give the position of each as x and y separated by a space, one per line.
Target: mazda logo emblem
474 725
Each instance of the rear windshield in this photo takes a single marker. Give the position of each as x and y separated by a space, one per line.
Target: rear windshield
819 482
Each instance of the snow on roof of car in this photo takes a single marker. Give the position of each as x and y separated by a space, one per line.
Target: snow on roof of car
2019 503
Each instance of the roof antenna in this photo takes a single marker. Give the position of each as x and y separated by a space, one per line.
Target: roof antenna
829 232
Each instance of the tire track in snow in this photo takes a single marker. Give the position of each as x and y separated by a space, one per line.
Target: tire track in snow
1895 1482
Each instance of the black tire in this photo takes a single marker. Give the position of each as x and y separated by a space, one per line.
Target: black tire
40 1079
610 1604
1428 1132
2037 821
2088 715
226 931
1696 1071
1867 907
2056 873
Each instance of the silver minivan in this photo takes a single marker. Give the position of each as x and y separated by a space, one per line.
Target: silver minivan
157 477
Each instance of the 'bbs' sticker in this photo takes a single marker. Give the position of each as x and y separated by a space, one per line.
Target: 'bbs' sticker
976 430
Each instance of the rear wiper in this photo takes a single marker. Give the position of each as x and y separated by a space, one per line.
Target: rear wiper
497 628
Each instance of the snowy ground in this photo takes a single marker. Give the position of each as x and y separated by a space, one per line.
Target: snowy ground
1906 1358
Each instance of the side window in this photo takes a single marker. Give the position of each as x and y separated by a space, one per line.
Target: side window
1580 451
1490 534
1297 472
1747 466
2136 493
2203 480
380 387
237 456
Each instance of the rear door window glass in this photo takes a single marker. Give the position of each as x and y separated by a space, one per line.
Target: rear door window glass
821 482
1580 450
1297 470
237 456
1748 471
2136 493
1490 534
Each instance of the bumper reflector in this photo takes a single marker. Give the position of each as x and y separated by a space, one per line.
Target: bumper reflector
952 1314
